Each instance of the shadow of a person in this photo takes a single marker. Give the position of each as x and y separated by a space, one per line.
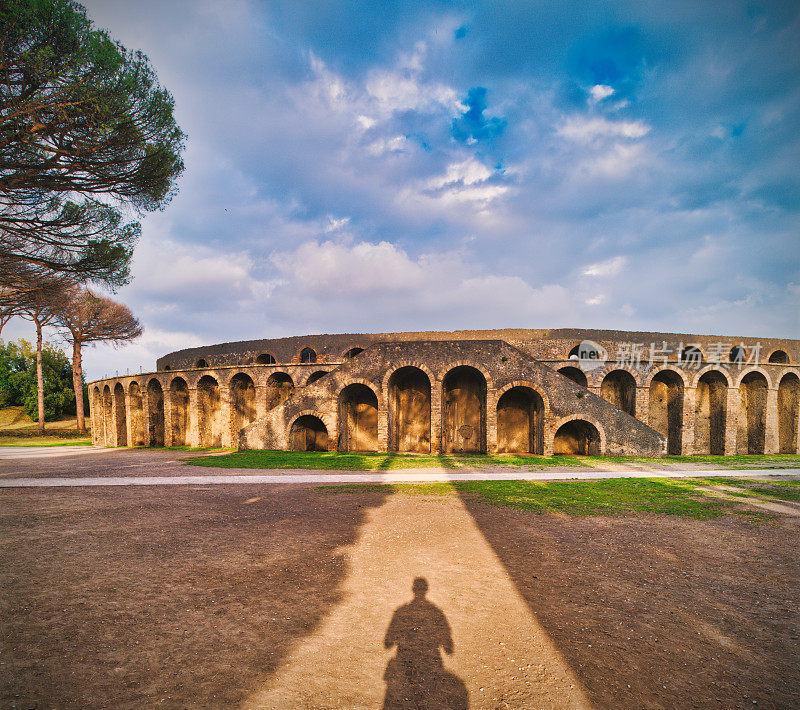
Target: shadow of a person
416 677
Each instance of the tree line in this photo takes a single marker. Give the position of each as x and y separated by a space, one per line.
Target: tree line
88 140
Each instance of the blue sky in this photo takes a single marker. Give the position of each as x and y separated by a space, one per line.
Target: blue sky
358 167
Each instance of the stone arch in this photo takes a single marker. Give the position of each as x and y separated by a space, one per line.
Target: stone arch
137 414
167 368
358 418
577 437
201 363
760 370
265 359
575 374
179 411
120 416
314 376
710 413
666 408
409 389
243 402
352 352
209 412
464 390
573 353
753 389
619 388
520 421
155 413
308 355
788 410
279 388
98 424
108 416
779 356
308 433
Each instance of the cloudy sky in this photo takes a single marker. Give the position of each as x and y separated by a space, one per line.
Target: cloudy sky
359 167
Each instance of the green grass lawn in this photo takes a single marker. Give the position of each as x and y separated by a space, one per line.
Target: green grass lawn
331 460
325 460
42 441
613 496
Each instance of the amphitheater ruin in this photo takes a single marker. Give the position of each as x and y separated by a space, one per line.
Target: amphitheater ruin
565 391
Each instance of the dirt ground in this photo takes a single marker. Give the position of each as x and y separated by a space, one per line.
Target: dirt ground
234 596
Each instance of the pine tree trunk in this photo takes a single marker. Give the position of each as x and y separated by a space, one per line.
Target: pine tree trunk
77 383
39 376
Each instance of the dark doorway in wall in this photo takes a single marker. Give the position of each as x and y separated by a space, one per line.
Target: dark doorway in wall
666 409
710 404
358 419
577 438
308 433
410 410
520 422
464 411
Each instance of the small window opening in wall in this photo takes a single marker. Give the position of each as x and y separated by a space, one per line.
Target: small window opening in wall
352 352
779 356
167 367
737 355
201 363
690 356
265 359
308 355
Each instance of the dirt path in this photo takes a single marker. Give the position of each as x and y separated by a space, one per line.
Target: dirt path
501 654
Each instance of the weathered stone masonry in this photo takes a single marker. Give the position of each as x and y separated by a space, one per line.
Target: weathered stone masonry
506 391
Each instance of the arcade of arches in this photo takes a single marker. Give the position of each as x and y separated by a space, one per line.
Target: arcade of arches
496 400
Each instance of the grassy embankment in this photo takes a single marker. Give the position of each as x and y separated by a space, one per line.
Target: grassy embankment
18 429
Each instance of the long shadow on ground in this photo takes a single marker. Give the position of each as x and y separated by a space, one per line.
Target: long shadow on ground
660 611
169 597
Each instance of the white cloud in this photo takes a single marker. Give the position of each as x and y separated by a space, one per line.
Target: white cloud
587 129
600 92
609 267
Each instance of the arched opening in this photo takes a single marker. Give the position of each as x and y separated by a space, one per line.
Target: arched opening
179 411
352 352
788 410
666 409
691 357
209 412
619 388
753 410
137 414
308 433
121 418
574 374
99 430
520 422
573 354
308 355
464 411
155 413
279 388
315 376
108 416
410 411
577 438
167 368
780 357
737 355
201 363
711 397
265 359
243 403
358 419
